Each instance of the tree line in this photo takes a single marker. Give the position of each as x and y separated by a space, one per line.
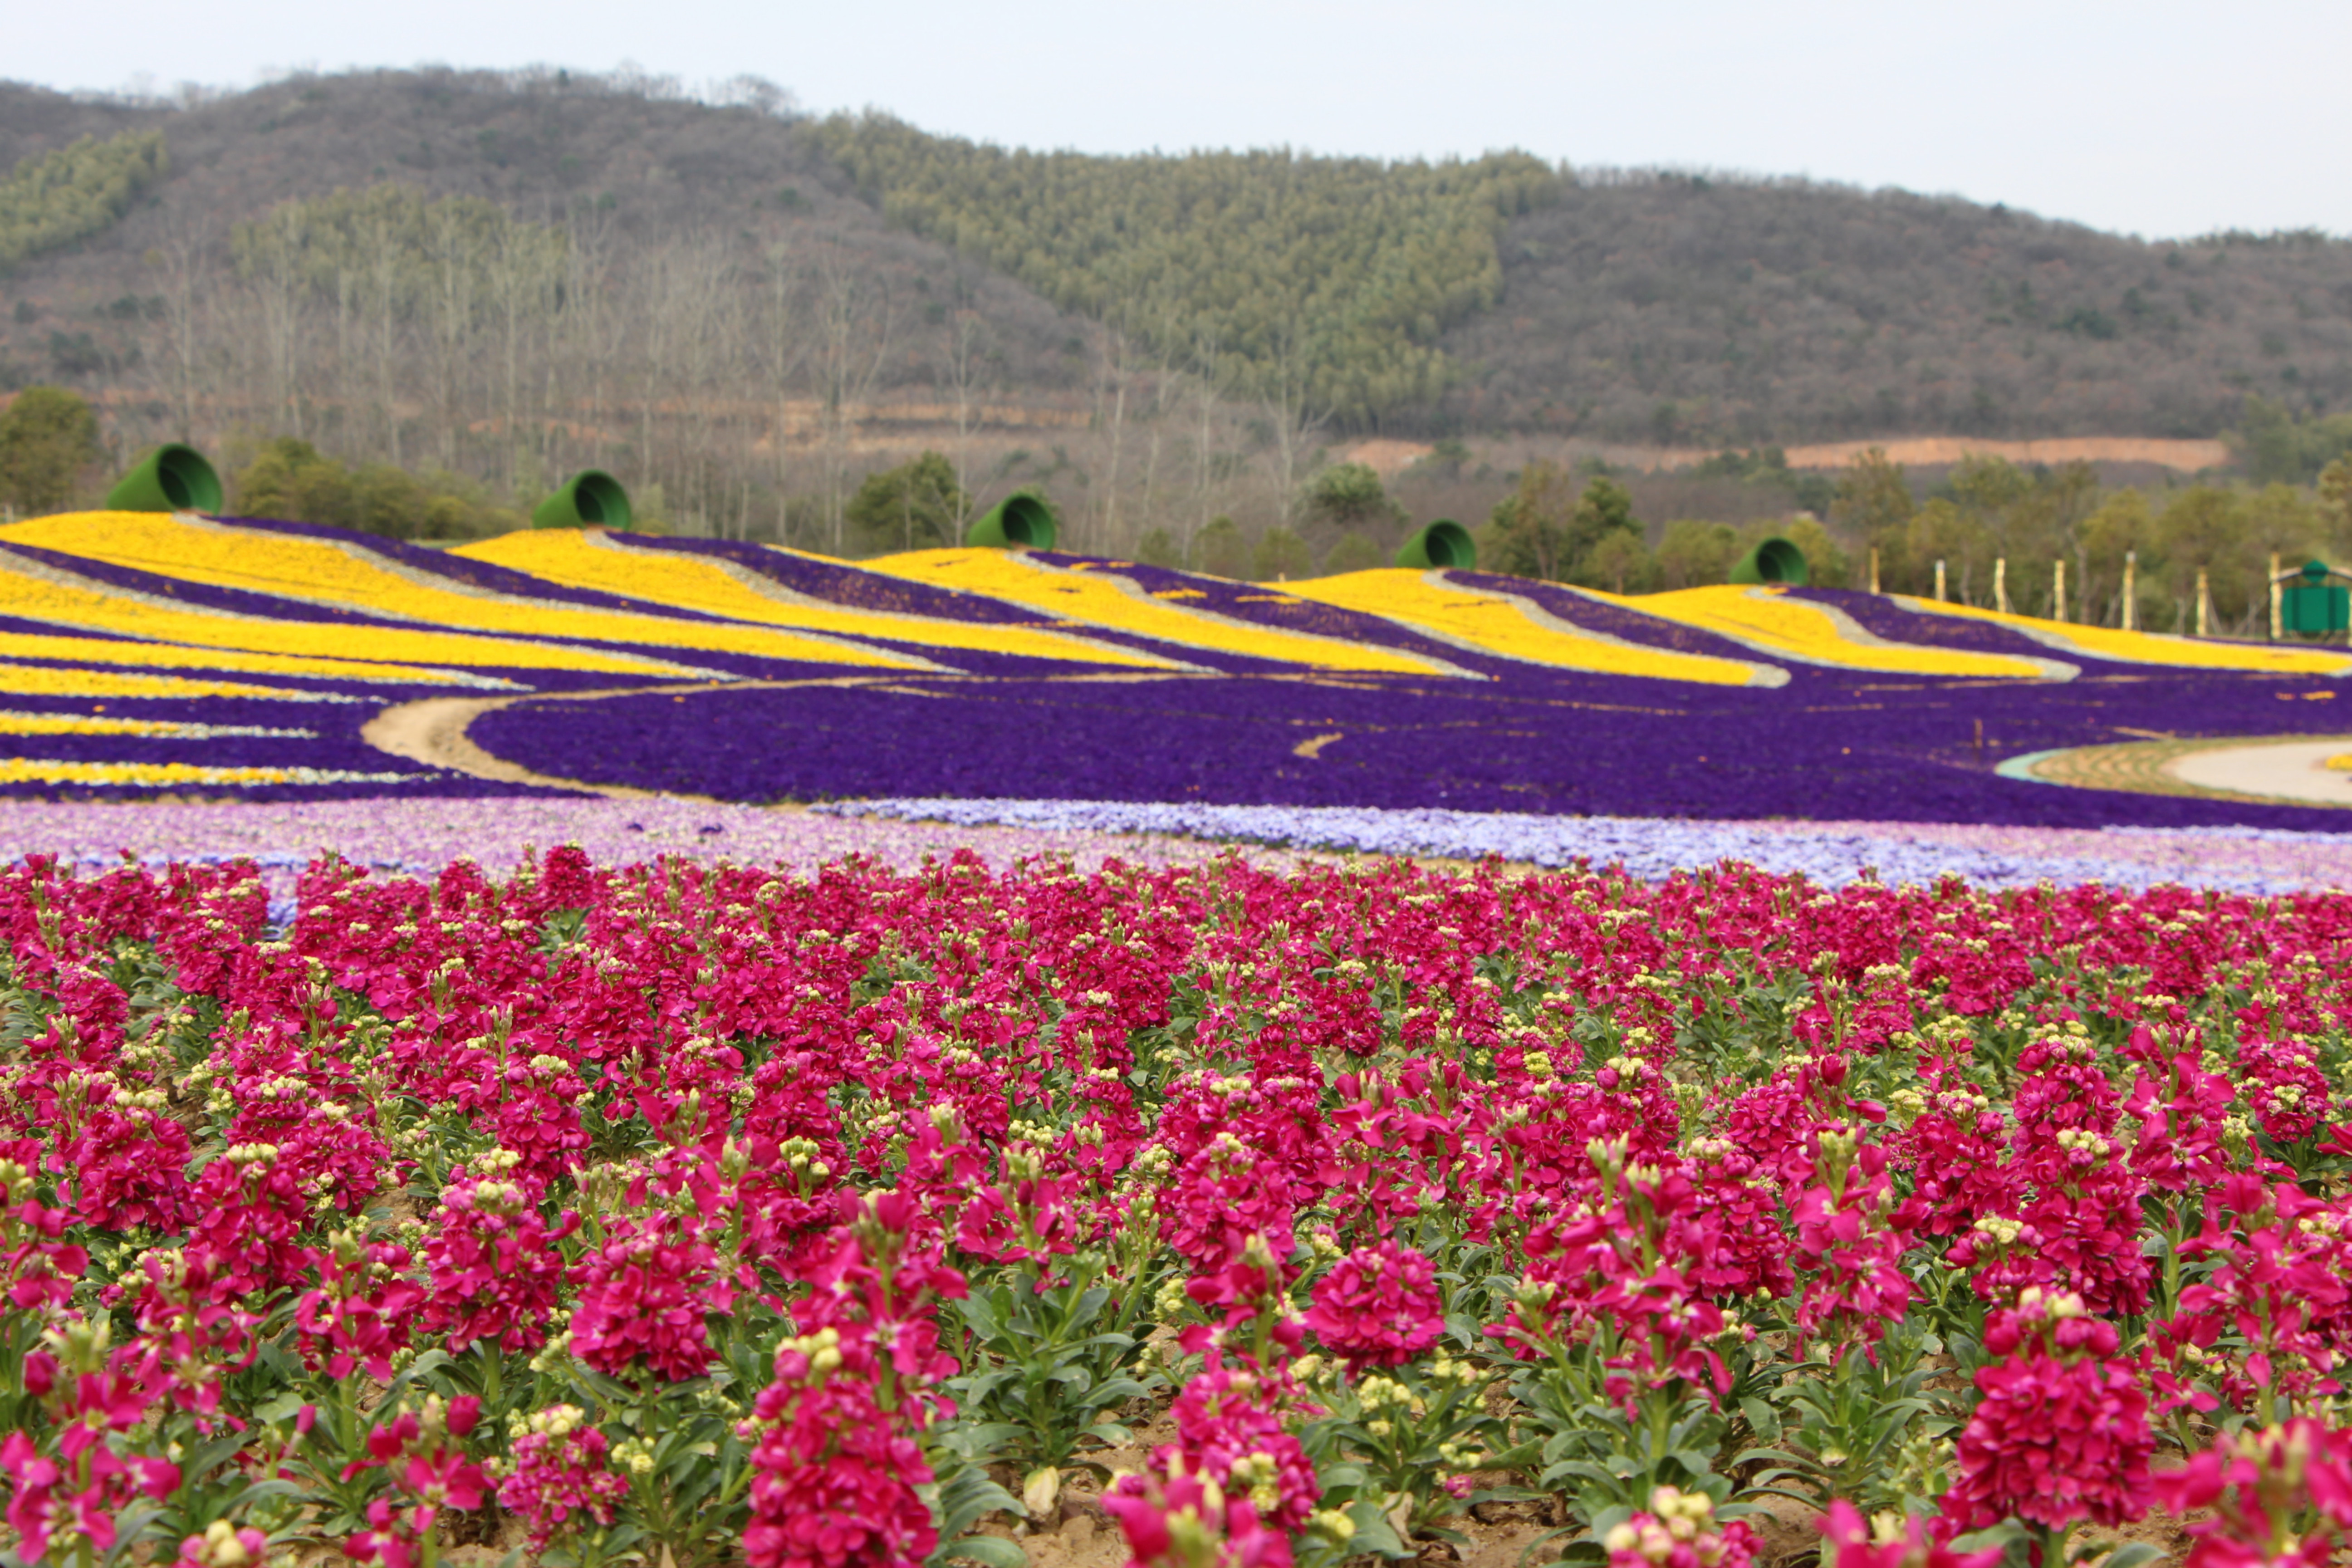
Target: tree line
1990 533
1323 282
59 197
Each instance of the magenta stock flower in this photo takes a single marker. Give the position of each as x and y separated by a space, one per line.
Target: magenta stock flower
2061 1434
643 1297
1247 1103
1378 1305
362 1313
493 1267
559 1470
2260 1486
1679 1530
834 1475
1848 1541
1180 1520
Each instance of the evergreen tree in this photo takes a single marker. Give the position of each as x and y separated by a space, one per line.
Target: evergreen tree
48 438
911 507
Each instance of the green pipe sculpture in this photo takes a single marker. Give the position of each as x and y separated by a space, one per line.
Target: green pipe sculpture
1022 521
1773 559
590 498
1445 542
172 478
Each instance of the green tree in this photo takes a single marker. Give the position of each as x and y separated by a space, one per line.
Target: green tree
292 480
1694 555
911 507
2122 522
2282 520
1354 552
1322 283
1874 503
1220 551
59 197
1158 547
1603 512
1619 563
2274 445
2334 505
1281 555
1528 534
2203 528
48 439
1945 530
1350 495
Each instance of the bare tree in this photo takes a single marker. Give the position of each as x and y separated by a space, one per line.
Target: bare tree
963 362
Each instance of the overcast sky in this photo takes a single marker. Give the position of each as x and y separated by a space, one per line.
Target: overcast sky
2154 118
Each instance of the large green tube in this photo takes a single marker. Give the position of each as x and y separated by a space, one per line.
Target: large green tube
1773 559
172 478
1022 521
590 498
1445 542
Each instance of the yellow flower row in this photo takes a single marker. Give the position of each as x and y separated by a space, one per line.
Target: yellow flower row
167 656
173 775
580 559
1511 627
15 723
325 572
2150 647
83 605
1101 599
1766 620
41 680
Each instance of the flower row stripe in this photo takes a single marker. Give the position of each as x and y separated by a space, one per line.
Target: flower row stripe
47 680
341 574
1510 627
576 558
36 592
168 775
12 722
166 655
1770 621
1104 599
2145 647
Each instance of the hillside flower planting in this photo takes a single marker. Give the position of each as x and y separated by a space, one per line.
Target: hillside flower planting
1100 597
1511 627
345 576
719 586
697 1213
737 672
1773 623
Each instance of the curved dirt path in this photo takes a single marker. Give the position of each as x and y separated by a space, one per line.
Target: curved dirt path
2275 771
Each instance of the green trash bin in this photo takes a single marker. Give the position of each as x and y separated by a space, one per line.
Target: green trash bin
1443 544
1022 521
172 478
1773 559
2309 603
590 498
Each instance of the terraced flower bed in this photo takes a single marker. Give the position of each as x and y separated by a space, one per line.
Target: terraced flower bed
747 674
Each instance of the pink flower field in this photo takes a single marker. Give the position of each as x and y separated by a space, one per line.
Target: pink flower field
1192 1214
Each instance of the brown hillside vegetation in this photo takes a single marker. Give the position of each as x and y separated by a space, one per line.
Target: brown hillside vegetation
505 277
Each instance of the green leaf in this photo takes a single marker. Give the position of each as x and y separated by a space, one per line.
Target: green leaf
992 1550
1373 1533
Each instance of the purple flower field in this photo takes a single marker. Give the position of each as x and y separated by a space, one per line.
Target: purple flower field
1830 746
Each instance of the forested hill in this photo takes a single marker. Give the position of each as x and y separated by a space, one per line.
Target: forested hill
1502 293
